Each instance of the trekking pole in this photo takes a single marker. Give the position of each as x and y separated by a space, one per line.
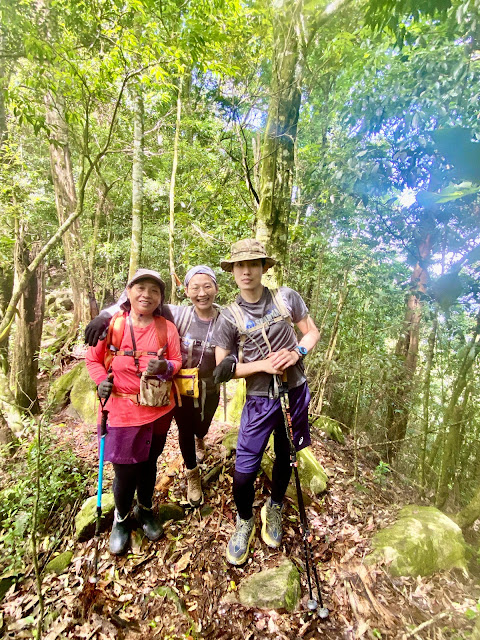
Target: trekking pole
224 401
101 455
307 538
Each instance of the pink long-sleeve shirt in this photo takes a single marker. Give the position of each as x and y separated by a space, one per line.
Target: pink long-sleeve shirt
123 412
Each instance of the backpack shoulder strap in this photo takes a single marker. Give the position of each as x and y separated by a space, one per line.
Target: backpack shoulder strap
239 318
280 304
185 320
115 332
162 333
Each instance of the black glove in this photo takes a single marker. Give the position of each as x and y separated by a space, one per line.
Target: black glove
105 387
157 367
225 371
97 328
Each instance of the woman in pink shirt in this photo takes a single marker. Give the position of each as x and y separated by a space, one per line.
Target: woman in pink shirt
142 352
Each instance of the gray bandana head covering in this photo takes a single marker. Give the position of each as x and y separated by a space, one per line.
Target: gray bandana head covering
200 268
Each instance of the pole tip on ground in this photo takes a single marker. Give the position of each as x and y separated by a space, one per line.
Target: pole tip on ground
323 613
312 605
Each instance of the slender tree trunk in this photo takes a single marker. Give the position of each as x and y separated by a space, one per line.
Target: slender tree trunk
137 183
66 204
426 398
29 324
171 230
407 354
323 377
450 453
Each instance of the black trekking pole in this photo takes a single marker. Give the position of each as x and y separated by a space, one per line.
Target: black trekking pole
309 560
101 455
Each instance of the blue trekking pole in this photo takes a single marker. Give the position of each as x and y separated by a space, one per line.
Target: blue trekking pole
101 455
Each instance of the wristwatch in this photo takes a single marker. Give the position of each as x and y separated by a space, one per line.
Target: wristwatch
302 352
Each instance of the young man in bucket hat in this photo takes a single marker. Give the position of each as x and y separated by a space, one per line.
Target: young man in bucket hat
259 328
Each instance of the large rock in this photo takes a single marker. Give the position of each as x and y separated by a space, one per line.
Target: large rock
312 476
83 396
230 441
277 588
86 518
60 563
422 541
235 406
59 391
330 427
170 511
476 630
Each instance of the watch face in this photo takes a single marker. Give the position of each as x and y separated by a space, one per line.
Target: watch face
303 352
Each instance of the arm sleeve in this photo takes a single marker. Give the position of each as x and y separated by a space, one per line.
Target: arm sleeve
94 362
225 334
294 303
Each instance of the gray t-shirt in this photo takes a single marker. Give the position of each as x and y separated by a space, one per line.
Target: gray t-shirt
280 335
198 334
197 338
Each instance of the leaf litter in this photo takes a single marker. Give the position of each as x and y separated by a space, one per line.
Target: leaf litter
181 587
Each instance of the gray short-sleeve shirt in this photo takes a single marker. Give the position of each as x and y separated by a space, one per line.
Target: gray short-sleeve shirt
280 335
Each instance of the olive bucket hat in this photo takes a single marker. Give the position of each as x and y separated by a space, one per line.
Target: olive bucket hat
249 249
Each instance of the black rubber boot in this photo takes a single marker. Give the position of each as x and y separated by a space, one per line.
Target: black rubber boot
120 536
146 519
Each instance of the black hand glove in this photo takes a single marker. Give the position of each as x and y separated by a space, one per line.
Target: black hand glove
97 328
104 389
225 371
157 367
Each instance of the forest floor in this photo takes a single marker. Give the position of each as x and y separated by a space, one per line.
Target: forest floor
364 602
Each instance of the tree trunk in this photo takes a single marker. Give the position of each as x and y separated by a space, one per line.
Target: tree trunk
452 425
467 516
66 204
426 398
137 183
29 324
407 353
171 229
323 377
278 162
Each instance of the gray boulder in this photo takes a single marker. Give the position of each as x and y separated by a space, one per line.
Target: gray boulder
277 588
422 541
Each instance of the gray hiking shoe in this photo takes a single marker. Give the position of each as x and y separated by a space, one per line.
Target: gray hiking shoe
239 544
271 515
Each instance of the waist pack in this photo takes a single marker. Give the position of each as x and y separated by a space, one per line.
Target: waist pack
187 382
154 392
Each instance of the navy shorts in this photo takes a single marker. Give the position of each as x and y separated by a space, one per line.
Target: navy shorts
260 417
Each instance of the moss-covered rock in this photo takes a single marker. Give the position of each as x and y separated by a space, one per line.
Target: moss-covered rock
170 511
476 630
330 427
422 541
83 396
277 588
235 406
230 441
59 391
60 563
312 476
86 518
